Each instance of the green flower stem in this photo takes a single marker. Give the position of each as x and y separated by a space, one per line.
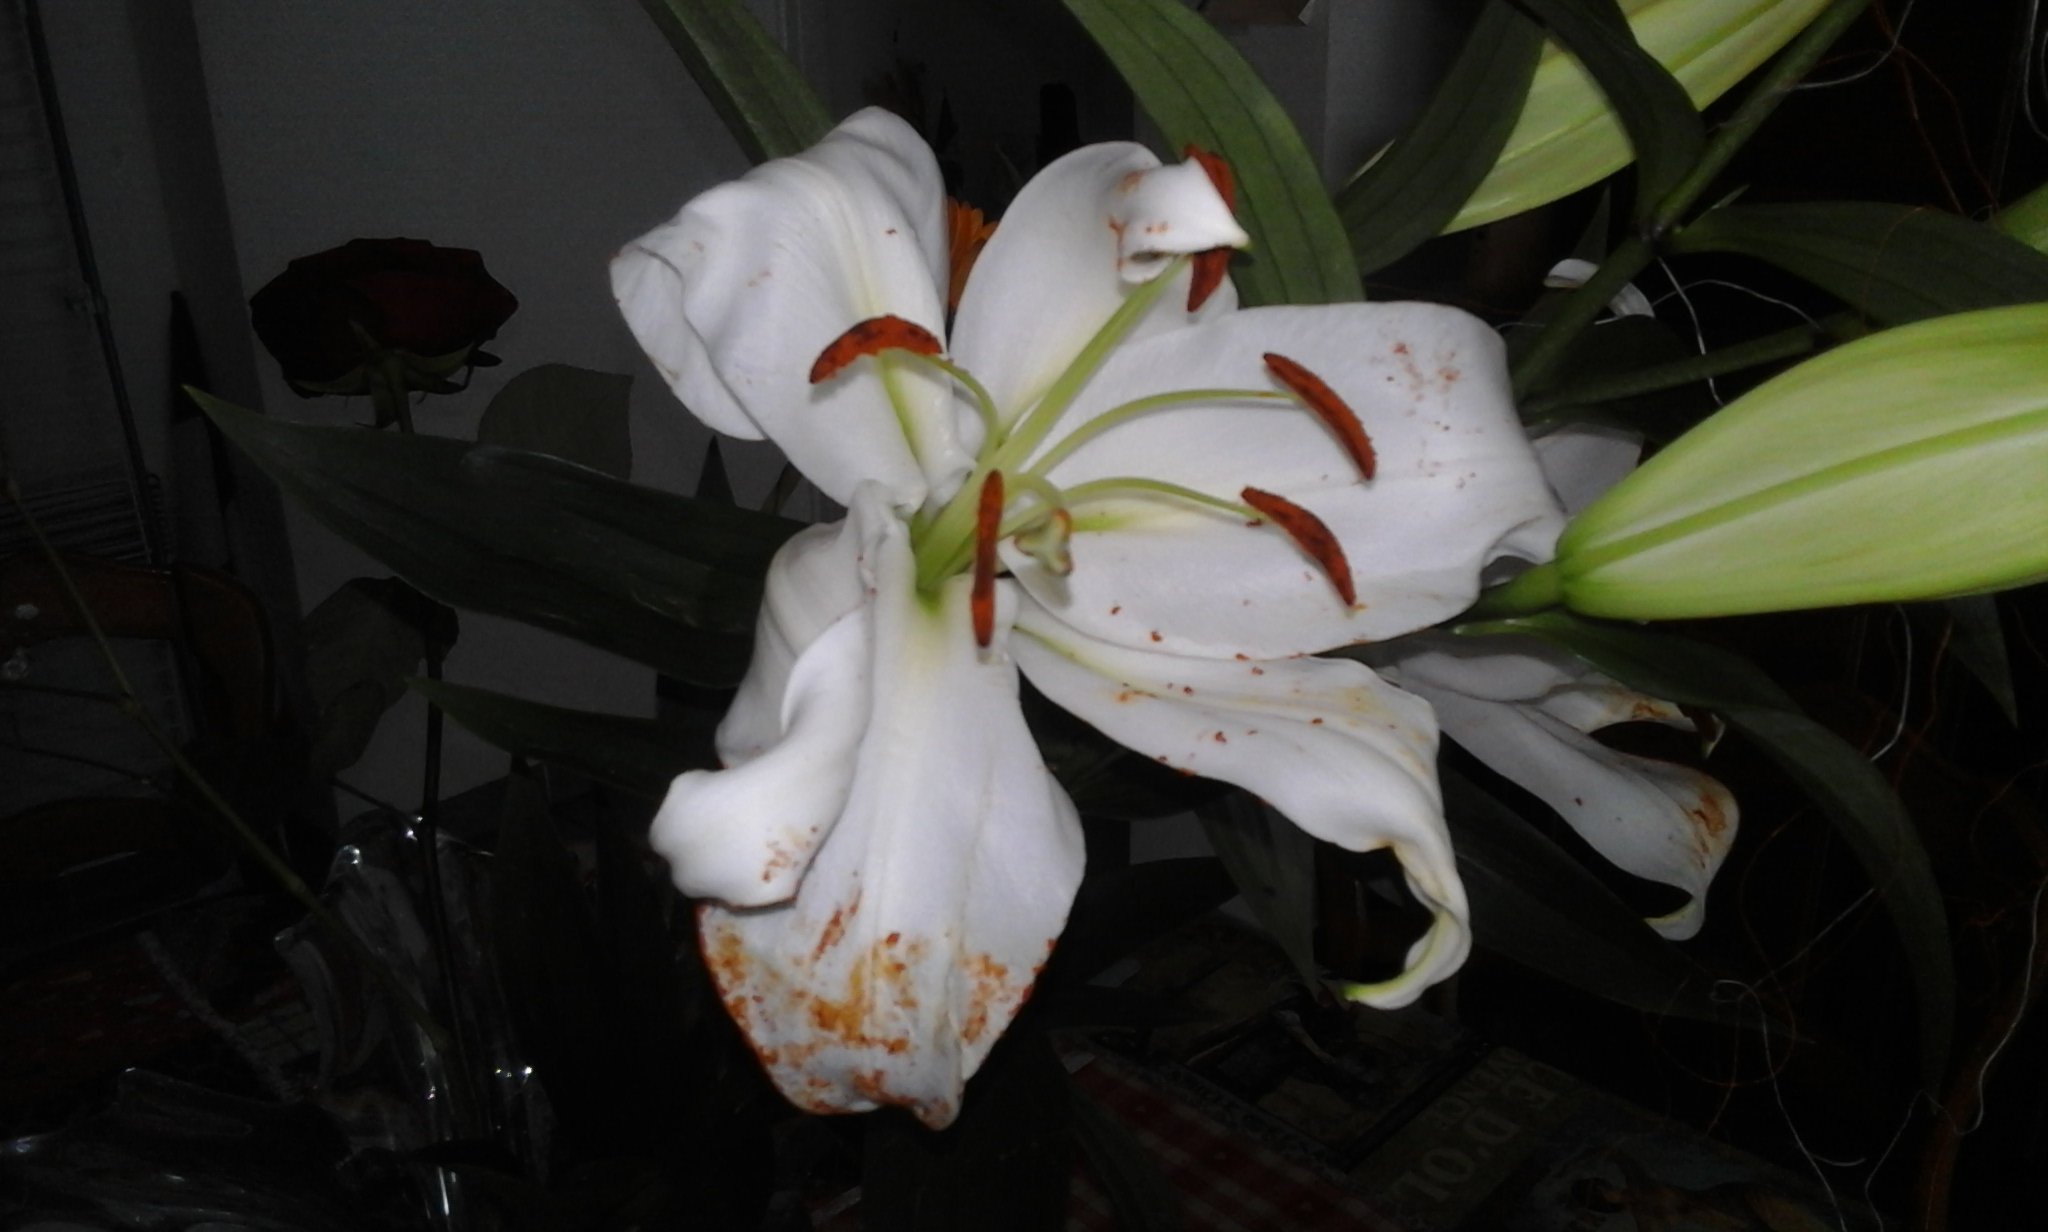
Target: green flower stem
389 395
388 381
1770 348
1634 254
130 704
1534 590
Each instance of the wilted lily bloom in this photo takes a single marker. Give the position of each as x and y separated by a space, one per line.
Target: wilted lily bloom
1104 475
1529 709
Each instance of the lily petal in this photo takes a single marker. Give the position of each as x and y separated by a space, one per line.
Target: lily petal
1584 460
1061 261
794 728
937 891
1528 712
1345 755
735 296
1457 484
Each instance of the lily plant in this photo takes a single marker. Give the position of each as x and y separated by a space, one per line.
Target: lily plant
1101 474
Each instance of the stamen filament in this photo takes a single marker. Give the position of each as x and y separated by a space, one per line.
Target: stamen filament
1039 420
1110 489
984 405
953 526
1142 406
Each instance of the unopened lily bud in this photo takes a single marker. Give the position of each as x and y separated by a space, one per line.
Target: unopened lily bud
1568 137
1911 464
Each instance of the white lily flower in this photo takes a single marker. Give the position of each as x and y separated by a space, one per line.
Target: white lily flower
1150 503
1528 709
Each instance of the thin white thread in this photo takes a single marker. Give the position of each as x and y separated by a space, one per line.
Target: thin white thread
2026 990
1870 1178
1752 292
1813 1161
1699 333
1906 688
2037 67
1898 32
1816 939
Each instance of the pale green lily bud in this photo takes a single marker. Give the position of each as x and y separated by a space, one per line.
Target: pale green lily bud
1911 464
1568 137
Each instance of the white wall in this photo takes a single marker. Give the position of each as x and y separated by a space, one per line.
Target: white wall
541 134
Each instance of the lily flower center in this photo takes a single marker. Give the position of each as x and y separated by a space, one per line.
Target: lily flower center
1009 493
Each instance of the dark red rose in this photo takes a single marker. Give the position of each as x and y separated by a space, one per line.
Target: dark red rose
326 314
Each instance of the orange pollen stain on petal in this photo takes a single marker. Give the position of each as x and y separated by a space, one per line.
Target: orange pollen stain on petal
988 522
1309 533
1336 415
872 337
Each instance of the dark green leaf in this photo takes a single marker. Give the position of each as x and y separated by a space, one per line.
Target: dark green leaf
1892 263
566 412
1200 92
1417 185
638 755
1850 792
1002 1166
662 579
1533 903
1138 1191
1663 125
753 86
1977 639
1273 863
362 642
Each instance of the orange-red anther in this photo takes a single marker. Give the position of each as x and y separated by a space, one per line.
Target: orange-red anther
1308 531
871 337
967 233
1205 274
988 520
1209 267
1328 407
1218 172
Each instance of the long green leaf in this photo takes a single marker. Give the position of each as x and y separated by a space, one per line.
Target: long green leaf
1199 91
1663 125
1416 186
638 755
665 580
770 108
1533 903
1892 263
1863 808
